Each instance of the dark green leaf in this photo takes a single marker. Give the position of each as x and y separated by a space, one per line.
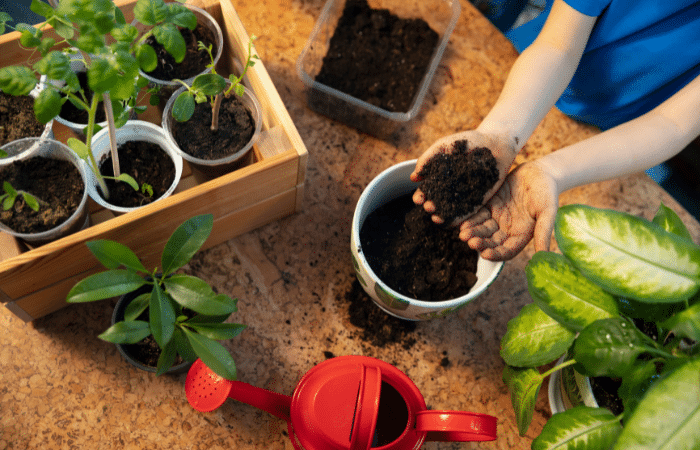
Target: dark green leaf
150 12
166 359
181 16
635 384
103 285
185 241
184 349
137 306
197 295
209 84
217 331
47 105
112 254
147 58
524 385
126 332
580 428
125 33
161 316
685 324
170 38
102 75
17 80
651 312
183 107
533 339
41 8
213 355
30 37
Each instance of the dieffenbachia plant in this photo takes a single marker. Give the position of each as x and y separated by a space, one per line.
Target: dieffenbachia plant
616 270
171 293
112 50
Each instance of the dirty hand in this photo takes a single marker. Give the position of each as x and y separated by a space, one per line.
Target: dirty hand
524 207
503 149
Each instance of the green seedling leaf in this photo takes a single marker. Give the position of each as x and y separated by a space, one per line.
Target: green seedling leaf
137 306
524 385
183 107
46 45
580 428
667 219
147 58
30 37
185 241
181 16
170 38
125 33
563 293
213 354
628 256
167 358
195 294
150 12
89 40
161 316
79 148
128 179
103 285
102 75
31 201
209 84
533 339
126 332
113 254
47 105
610 347
636 383
17 80
685 324
56 66
217 331
4 18
669 415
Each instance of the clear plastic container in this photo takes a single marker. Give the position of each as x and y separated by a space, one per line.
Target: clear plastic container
441 16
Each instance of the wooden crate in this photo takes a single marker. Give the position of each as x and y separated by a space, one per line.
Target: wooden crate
35 282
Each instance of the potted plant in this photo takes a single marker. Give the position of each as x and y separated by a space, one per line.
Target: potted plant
214 122
181 313
44 194
112 53
621 303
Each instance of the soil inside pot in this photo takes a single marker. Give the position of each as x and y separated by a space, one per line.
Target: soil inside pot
236 127
378 57
415 257
195 61
56 183
17 119
456 182
147 163
605 393
72 113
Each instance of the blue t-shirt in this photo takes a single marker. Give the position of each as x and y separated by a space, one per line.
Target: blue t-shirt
640 53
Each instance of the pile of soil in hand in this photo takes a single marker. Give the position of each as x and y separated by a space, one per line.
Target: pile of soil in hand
195 61
377 327
415 257
378 57
17 119
236 127
56 183
147 163
72 113
456 182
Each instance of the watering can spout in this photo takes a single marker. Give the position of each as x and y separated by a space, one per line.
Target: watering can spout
278 405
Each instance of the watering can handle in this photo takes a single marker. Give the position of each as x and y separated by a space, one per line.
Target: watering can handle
278 405
461 426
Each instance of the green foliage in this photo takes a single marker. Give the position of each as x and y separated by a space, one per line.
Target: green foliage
617 272
170 295
11 195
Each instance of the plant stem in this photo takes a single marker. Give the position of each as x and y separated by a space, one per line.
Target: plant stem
215 107
111 129
88 142
566 363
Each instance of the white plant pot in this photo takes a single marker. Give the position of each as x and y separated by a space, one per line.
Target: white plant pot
133 130
27 148
207 169
568 389
392 183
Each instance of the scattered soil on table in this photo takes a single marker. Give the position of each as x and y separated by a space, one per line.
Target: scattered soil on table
456 182
17 119
195 61
56 183
147 163
377 327
236 127
414 256
378 57
72 113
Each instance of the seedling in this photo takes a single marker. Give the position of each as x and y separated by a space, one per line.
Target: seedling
11 195
212 87
112 52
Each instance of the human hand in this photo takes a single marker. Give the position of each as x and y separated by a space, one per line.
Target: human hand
524 207
502 147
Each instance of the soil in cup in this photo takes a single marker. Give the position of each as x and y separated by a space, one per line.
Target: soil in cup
72 113
17 119
195 61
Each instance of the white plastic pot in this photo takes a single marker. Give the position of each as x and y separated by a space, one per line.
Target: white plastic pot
568 388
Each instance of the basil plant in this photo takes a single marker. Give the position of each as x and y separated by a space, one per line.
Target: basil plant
170 296
618 274
110 48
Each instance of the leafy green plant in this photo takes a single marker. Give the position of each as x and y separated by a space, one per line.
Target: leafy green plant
112 52
11 195
212 87
171 295
621 301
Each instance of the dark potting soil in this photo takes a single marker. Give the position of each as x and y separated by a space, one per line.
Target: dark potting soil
147 163
456 182
236 127
378 57
605 392
414 256
72 113
56 183
17 119
195 61
376 326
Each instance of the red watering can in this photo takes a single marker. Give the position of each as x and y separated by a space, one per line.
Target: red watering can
347 402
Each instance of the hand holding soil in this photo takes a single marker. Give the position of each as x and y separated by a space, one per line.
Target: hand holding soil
459 173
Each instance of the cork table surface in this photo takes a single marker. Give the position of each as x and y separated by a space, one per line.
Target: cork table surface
61 387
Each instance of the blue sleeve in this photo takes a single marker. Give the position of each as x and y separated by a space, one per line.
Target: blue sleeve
589 7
